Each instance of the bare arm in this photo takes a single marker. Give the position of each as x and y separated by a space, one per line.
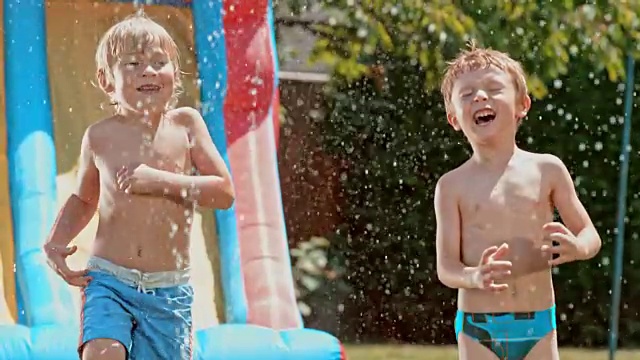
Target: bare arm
451 271
212 187
81 205
572 211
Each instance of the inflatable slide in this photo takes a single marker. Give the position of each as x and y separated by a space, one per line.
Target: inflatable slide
245 305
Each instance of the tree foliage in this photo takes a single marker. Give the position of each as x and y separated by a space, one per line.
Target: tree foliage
386 120
544 35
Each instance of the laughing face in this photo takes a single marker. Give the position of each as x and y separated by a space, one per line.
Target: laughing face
144 81
486 105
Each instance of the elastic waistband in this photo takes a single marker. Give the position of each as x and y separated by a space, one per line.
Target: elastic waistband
139 279
513 316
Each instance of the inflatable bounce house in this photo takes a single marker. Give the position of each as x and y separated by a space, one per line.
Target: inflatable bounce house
245 305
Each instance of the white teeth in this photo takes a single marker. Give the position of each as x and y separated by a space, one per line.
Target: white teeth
149 87
484 113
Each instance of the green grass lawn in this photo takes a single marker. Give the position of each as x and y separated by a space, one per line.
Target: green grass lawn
414 352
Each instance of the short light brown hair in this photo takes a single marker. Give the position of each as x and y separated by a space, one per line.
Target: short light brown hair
476 58
132 34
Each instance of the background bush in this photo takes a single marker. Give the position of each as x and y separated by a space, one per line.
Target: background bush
386 121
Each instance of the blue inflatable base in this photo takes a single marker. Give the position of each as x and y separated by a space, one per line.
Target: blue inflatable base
224 342
15 342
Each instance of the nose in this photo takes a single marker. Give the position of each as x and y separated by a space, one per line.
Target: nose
480 96
149 71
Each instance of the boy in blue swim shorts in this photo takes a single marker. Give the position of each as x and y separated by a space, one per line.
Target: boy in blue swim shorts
137 170
496 236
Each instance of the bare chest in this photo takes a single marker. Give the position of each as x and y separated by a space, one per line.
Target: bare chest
506 197
166 149
513 205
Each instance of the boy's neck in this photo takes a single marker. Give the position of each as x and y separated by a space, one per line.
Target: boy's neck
148 119
494 155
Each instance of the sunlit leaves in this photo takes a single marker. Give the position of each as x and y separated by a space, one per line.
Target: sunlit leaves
545 38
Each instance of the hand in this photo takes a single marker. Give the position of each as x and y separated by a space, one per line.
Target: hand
567 246
56 259
135 178
493 268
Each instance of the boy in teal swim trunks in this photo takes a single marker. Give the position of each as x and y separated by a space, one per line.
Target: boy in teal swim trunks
496 238
137 170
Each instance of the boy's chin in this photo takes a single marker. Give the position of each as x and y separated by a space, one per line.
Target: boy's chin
485 135
151 107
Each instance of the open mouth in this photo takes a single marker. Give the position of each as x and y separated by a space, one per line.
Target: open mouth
148 88
484 116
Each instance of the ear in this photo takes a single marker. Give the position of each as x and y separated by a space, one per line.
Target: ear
524 107
104 83
453 121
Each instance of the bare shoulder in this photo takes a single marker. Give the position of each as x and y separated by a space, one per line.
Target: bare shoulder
548 163
453 181
551 168
186 116
101 131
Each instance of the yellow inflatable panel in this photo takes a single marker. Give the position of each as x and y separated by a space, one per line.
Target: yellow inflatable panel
8 311
73 31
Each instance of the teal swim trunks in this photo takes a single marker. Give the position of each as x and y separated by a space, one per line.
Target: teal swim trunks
510 336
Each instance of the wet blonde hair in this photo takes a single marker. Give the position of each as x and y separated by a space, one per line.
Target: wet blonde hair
134 33
476 58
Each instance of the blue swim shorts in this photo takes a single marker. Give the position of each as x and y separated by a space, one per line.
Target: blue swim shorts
148 313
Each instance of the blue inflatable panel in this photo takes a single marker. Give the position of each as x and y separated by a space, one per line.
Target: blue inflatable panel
48 343
15 343
224 342
310 344
32 159
249 342
212 68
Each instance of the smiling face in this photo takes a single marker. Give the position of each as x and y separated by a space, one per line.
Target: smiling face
143 80
138 66
485 95
485 104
